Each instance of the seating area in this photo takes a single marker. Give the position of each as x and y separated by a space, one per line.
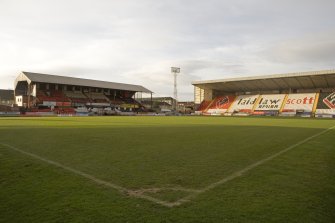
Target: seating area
57 102
115 101
82 98
77 97
97 97
294 104
203 105
130 101
42 96
59 96
56 96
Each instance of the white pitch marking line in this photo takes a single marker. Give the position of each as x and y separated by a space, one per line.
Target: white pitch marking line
246 169
90 177
155 200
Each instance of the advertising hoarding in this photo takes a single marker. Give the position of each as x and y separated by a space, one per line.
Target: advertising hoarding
270 102
221 104
326 103
244 102
303 102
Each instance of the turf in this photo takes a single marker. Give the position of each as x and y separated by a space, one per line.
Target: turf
141 153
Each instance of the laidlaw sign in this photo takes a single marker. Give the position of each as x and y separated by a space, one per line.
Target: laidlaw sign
270 102
244 102
300 102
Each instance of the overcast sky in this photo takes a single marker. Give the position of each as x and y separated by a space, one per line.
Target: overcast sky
137 41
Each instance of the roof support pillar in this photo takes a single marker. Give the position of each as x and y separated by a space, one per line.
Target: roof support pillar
28 95
151 100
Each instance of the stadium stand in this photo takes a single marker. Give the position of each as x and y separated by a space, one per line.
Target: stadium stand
305 94
44 93
304 105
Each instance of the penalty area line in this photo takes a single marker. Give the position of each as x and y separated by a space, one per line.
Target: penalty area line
96 180
246 169
179 202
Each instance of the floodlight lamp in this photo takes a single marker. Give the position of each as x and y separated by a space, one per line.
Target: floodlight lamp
175 69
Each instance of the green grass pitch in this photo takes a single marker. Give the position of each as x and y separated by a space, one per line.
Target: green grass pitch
167 169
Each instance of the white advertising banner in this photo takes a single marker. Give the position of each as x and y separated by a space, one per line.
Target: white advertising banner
325 111
270 102
244 102
300 102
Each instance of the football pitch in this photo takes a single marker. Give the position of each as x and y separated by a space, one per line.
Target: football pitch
167 169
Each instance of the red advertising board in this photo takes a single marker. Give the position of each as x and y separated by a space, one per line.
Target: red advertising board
221 104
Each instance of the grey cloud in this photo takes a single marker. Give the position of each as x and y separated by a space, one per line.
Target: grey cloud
311 49
79 71
137 42
193 66
7 81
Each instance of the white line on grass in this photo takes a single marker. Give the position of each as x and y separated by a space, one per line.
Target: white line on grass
140 194
246 169
90 177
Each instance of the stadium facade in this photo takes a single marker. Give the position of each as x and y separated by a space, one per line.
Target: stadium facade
60 94
293 94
